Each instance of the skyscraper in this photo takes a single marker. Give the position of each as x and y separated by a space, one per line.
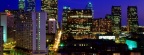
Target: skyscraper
21 4
31 33
66 10
132 18
90 6
102 25
79 23
1 40
3 22
27 5
51 7
116 14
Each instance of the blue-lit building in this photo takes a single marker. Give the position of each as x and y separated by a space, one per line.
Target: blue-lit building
27 5
3 22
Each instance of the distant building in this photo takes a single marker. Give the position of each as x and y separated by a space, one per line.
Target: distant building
51 7
27 5
101 25
3 22
116 14
1 40
66 10
21 4
30 5
79 23
132 18
31 33
90 6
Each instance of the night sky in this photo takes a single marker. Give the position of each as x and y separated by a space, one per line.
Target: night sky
101 7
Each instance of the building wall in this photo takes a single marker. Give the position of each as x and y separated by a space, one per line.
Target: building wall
1 40
102 25
3 22
79 22
39 31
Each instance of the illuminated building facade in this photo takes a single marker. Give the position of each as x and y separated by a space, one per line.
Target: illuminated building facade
1 40
51 7
3 22
116 13
79 23
101 25
16 14
66 10
132 18
52 26
31 33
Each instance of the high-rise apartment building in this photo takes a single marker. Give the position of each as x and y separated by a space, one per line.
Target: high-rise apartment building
31 33
79 23
132 18
116 14
1 40
3 22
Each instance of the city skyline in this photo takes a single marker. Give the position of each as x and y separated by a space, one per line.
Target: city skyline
101 7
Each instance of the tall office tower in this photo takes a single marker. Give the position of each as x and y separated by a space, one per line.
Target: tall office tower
101 26
1 40
90 6
30 5
27 5
116 13
21 4
132 18
31 33
66 10
79 23
51 7
3 22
